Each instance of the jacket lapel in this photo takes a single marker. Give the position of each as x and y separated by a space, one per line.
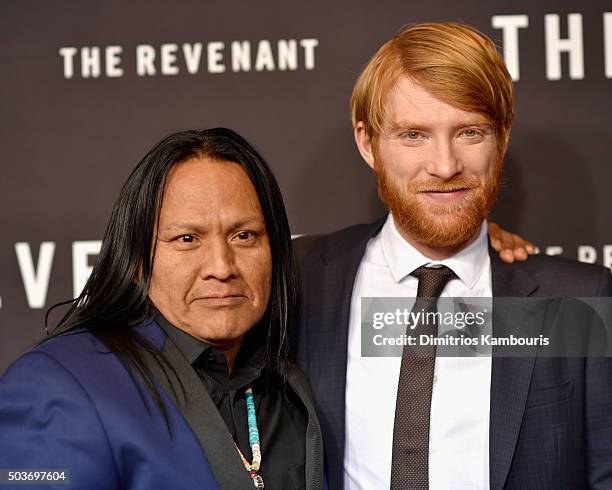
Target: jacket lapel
314 440
510 377
328 342
194 403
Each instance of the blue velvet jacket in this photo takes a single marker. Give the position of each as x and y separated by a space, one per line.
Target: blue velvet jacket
71 405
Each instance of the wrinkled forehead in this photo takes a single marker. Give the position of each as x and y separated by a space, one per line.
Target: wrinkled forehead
206 190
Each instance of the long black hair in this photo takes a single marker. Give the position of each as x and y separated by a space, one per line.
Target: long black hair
114 299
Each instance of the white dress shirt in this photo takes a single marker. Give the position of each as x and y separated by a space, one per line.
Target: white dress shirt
459 420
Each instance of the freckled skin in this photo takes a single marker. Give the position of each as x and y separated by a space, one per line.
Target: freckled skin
212 269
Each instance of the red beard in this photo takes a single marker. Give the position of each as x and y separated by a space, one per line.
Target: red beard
433 224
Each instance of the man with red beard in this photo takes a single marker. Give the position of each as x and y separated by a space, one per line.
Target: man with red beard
432 113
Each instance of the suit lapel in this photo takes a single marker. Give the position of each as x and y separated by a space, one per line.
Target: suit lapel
510 377
201 414
314 440
329 343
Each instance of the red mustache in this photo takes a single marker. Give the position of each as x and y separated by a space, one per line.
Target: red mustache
458 184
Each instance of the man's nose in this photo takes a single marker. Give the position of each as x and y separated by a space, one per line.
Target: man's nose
444 162
218 260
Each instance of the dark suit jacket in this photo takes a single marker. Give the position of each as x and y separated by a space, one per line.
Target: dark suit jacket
550 419
70 404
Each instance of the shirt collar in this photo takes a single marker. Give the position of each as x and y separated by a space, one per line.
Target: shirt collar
250 360
188 345
402 258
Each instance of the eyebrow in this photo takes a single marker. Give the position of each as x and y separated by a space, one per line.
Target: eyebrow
399 125
186 225
402 125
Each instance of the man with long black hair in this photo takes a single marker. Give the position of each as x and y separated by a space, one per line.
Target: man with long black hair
170 370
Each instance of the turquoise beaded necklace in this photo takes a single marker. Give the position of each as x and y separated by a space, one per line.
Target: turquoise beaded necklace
253 467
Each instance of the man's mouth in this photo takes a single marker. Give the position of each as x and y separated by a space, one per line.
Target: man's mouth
445 195
220 301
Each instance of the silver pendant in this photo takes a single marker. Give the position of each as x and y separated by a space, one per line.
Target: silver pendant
257 481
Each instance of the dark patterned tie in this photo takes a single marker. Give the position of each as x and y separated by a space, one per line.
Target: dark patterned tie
410 462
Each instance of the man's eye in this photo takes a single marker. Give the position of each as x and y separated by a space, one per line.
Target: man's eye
412 135
470 133
244 235
186 238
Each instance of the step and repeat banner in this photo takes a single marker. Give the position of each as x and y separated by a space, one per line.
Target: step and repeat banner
88 87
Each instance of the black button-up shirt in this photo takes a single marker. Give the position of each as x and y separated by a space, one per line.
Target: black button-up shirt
281 417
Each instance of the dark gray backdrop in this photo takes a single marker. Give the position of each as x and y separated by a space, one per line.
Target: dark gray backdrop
68 143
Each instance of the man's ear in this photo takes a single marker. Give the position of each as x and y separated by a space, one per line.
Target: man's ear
507 140
138 275
364 143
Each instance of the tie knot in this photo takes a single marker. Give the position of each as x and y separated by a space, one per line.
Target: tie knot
432 280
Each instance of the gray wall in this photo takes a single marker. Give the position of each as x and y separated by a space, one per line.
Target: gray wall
70 136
